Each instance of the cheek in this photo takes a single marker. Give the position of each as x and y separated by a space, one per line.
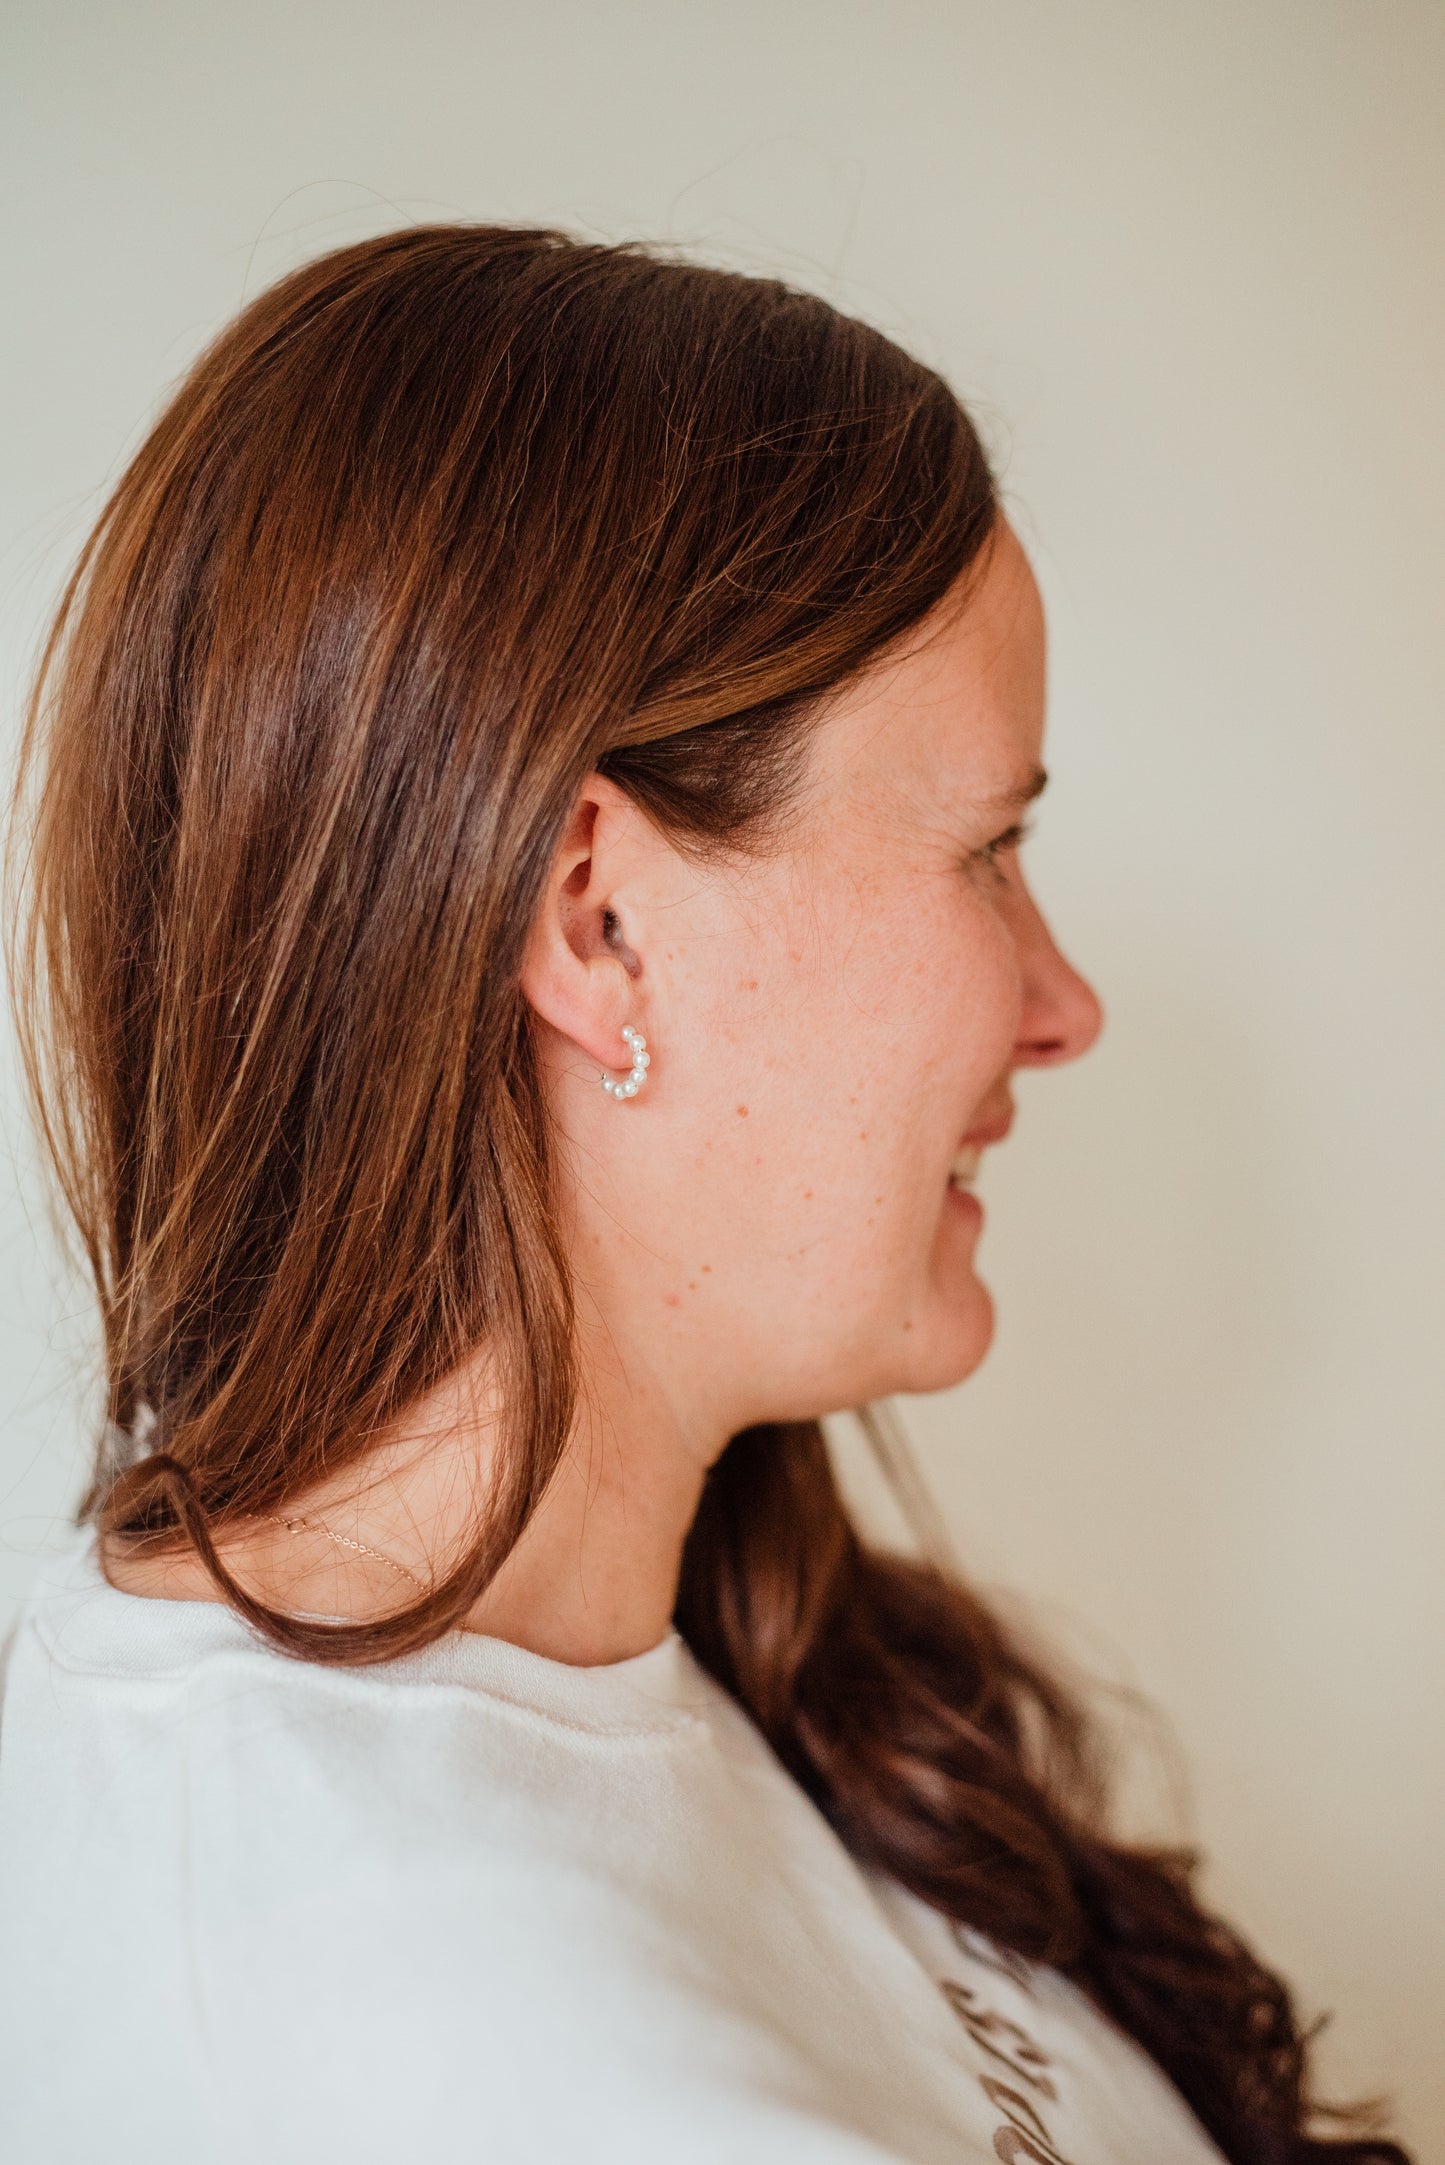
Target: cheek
936 999
873 1064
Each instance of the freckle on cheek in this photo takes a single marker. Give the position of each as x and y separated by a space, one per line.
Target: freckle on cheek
742 1112
807 1195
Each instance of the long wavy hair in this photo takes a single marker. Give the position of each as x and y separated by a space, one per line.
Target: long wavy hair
439 524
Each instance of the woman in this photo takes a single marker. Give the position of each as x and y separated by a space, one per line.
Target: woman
470 1726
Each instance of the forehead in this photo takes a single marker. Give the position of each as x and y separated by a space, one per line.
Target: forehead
953 722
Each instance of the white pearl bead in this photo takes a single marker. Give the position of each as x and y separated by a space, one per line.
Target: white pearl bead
641 1058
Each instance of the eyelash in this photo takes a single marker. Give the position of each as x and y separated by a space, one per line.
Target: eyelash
1011 839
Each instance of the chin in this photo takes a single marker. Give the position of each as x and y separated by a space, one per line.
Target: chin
937 1340
942 1342
951 1342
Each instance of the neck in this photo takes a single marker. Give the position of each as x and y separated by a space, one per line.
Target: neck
592 1580
594 1577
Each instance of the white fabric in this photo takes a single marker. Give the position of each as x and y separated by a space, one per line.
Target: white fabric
476 1905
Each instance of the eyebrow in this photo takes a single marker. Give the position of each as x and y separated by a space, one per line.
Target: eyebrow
1023 792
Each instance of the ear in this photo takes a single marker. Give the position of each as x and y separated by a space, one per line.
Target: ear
578 970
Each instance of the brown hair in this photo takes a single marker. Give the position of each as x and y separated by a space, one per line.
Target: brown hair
439 524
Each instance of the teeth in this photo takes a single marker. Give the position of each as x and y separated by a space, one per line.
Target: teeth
965 1167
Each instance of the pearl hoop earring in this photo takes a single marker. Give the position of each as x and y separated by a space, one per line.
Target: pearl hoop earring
641 1061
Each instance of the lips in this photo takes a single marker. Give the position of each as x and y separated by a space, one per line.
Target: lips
969 1154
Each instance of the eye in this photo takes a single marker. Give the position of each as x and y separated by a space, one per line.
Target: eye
1002 845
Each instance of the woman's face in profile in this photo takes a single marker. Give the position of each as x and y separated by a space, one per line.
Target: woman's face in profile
835 1025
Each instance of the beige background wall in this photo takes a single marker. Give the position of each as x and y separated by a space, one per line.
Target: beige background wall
1186 259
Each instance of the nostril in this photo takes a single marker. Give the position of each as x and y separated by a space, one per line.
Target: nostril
1046 1051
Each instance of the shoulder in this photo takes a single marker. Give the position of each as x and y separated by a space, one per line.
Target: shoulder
462 1905
471 1774
492 1922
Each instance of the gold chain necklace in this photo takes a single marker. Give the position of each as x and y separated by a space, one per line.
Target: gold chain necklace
314 1526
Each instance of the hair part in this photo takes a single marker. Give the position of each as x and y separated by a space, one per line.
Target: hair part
440 524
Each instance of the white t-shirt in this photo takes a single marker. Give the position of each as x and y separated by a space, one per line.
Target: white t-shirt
473 1905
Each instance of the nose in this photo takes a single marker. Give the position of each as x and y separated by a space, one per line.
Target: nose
1060 1014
